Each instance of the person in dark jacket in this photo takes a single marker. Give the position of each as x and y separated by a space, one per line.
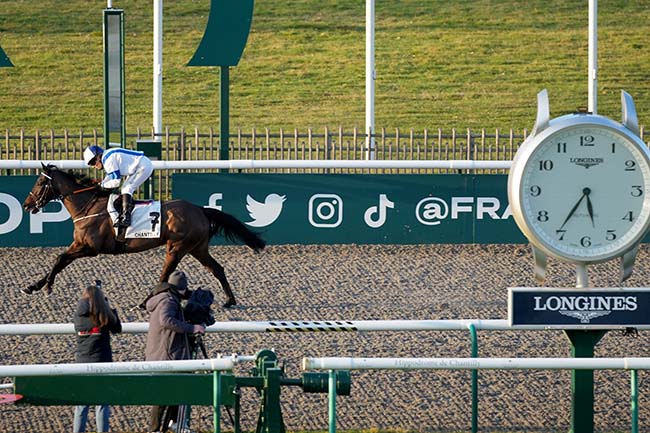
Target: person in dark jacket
167 336
94 321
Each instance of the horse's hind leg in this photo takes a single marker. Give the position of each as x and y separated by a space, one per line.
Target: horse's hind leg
204 257
172 260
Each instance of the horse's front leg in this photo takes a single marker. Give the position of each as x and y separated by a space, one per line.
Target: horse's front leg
36 286
72 253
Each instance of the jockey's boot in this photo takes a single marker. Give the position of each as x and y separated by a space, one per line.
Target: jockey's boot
127 208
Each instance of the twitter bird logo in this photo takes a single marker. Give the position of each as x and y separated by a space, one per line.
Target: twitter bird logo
264 214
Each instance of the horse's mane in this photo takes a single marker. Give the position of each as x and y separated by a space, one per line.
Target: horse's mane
80 178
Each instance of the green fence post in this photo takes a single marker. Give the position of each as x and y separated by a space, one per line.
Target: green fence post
223 43
114 100
153 150
216 398
474 337
331 392
634 397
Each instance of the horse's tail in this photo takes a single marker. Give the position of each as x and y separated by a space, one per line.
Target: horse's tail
232 229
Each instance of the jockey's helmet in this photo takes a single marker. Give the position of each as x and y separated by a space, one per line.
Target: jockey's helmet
90 153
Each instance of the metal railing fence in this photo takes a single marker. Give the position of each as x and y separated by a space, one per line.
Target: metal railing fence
257 144
323 144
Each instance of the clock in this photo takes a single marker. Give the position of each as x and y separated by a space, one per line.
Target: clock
579 188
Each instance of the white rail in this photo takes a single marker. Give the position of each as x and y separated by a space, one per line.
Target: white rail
116 367
303 326
338 363
335 363
243 164
278 326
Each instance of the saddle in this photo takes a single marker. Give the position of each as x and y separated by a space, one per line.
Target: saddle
145 218
117 202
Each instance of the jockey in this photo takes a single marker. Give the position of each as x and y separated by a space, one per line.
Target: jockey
118 162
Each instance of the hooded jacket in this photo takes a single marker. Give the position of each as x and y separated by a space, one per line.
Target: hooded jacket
166 339
93 343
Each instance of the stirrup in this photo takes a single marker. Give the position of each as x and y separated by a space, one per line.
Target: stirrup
122 221
121 234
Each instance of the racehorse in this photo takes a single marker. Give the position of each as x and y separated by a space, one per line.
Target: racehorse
185 228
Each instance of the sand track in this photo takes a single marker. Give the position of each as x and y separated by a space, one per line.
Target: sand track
342 282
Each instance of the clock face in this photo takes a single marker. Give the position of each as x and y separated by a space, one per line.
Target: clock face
584 193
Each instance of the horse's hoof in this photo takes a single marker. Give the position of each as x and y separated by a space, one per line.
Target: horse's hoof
28 291
230 303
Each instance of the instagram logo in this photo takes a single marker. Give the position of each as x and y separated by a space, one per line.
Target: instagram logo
325 210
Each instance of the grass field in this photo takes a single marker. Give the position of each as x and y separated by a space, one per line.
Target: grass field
440 63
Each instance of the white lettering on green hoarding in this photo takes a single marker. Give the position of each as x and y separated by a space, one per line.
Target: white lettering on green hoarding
36 221
312 209
380 211
264 213
433 210
326 210
323 211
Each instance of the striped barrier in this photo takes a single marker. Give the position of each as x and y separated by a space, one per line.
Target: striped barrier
284 326
299 326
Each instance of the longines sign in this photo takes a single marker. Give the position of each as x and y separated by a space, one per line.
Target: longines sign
597 308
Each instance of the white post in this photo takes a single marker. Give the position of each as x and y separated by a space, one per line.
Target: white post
157 65
582 278
109 4
593 56
370 79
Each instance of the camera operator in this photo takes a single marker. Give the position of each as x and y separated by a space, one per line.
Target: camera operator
167 338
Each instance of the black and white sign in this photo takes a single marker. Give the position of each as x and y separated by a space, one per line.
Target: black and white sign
597 308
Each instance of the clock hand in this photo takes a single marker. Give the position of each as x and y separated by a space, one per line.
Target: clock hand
590 208
573 210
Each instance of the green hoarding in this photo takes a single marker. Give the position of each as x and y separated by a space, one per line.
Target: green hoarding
363 209
48 228
310 209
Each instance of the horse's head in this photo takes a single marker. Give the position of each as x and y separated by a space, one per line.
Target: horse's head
44 190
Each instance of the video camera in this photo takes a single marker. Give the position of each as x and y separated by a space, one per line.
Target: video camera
197 310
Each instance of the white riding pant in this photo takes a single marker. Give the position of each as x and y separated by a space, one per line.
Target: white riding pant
133 181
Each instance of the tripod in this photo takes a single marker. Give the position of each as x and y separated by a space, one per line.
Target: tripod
196 346
182 414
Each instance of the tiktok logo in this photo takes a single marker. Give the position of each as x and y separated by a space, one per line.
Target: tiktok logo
379 210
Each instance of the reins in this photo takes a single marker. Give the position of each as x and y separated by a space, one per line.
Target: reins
84 189
86 207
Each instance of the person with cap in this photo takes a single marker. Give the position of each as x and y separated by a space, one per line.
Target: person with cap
119 162
167 335
94 322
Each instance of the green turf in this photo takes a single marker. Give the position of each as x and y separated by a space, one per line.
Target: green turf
440 63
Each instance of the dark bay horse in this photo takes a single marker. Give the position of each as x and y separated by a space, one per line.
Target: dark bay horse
185 228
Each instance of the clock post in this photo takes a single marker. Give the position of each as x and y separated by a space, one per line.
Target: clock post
583 343
582 381
579 190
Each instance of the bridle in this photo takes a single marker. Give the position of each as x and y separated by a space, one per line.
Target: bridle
48 193
43 196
